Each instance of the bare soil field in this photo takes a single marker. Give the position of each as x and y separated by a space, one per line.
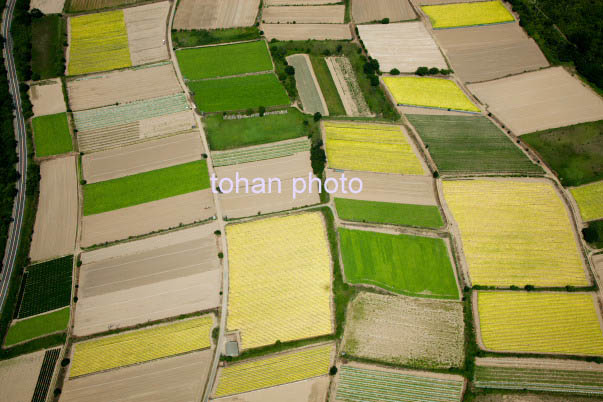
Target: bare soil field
383 187
47 97
18 377
310 390
490 52
214 14
48 6
122 86
373 10
297 2
349 91
146 218
418 332
539 100
310 94
146 27
405 109
286 168
56 220
435 2
531 397
551 364
306 31
598 265
333 14
143 157
176 379
405 46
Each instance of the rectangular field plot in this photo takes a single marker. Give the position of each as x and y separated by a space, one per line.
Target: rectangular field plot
307 31
590 200
374 10
274 370
46 97
346 83
429 92
40 325
371 147
141 346
265 304
405 331
299 391
330 14
539 322
224 60
525 213
46 372
307 86
405 46
89 5
215 14
146 32
18 376
239 93
361 382
467 14
468 144
389 213
260 152
52 135
539 100
410 265
490 52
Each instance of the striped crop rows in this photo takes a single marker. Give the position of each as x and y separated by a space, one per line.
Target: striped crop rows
590 200
255 154
46 371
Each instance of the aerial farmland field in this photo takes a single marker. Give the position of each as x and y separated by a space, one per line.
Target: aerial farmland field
467 14
329 14
34 327
306 31
262 152
389 213
540 322
215 14
46 96
590 200
307 86
146 32
346 82
374 10
89 5
52 135
18 376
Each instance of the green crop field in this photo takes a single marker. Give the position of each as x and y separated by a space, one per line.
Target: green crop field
145 187
227 134
409 265
47 37
224 60
327 86
573 152
239 93
51 135
389 212
471 144
37 326
200 37
47 287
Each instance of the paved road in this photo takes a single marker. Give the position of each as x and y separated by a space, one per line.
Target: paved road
14 234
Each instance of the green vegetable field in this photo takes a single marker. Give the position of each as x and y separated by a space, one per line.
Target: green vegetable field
51 135
37 326
389 212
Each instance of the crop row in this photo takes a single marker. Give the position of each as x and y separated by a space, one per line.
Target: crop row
260 153
467 14
50 360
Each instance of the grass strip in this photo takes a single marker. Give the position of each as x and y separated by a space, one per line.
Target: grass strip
389 213
51 135
37 326
327 86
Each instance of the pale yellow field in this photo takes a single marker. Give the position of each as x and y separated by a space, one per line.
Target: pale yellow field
467 14
370 147
280 279
140 346
515 232
590 200
539 322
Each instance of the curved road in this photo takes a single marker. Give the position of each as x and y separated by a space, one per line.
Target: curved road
14 233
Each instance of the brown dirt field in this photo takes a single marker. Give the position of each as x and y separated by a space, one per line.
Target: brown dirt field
311 390
56 220
490 52
347 86
85 5
434 2
146 26
176 379
143 157
214 14
430 374
48 6
122 87
286 168
405 46
297 2
553 364
426 110
18 377
539 100
306 31
373 10
47 97
531 397
304 14
146 218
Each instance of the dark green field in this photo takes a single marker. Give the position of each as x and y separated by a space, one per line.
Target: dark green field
573 152
51 135
388 212
460 144
327 86
409 265
593 233
47 47
37 326
202 37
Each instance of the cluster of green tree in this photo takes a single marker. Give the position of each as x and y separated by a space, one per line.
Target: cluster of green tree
432 71
21 33
49 36
567 31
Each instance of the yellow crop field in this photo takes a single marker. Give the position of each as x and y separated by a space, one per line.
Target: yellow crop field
515 232
467 14
540 322
280 279
274 370
370 147
99 42
590 200
140 346
429 92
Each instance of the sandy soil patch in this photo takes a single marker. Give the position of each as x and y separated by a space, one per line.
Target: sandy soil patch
239 205
384 187
304 14
539 100
489 52
146 27
213 14
143 157
56 220
309 91
48 6
310 390
122 86
373 10
347 86
47 97
18 377
306 31
405 46
146 218
176 379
